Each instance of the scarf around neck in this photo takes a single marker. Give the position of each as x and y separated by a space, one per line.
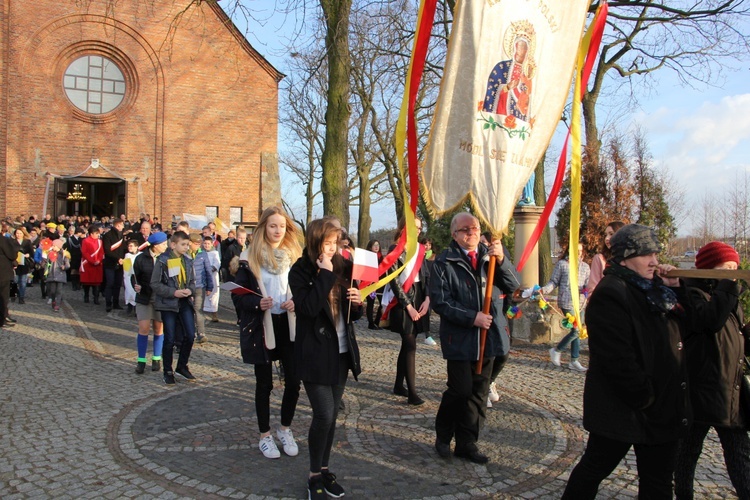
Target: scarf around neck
660 298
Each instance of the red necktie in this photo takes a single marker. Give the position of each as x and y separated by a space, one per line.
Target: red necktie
473 258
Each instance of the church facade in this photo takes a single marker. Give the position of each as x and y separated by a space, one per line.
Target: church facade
135 106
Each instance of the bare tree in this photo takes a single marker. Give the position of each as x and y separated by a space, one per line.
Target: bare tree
706 219
302 124
690 37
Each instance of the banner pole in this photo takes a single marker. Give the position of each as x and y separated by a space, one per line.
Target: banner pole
486 310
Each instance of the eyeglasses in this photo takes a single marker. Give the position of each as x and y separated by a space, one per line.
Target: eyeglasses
470 229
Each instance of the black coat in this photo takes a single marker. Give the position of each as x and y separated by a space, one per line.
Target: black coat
143 269
74 248
400 321
714 351
457 294
26 249
114 248
250 318
636 385
8 254
316 346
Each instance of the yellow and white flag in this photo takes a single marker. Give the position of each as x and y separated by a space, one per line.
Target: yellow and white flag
508 73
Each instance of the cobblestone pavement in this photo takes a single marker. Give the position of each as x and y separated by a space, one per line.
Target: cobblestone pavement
77 422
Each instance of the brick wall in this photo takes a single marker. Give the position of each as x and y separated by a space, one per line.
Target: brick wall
200 114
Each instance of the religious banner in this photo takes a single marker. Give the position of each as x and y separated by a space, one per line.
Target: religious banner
507 76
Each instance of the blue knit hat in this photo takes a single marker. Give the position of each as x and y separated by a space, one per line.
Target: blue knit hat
157 238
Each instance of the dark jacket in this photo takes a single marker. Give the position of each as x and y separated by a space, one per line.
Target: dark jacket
164 286
114 248
714 351
143 269
229 250
8 254
250 318
457 294
28 265
636 385
316 347
400 321
74 248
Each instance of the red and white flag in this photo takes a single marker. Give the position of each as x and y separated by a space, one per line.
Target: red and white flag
507 75
365 266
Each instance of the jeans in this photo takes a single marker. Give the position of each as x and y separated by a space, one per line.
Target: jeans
55 290
655 464
736 446
200 318
571 340
264 378
21 280
325 400
186 320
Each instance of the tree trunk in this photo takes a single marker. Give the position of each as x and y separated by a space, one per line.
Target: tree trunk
334 160
593 143
544 246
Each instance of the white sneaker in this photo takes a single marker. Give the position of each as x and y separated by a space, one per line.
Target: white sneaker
554 356
49 301
430 341
575 365
494 396
268 446
287 441
489 403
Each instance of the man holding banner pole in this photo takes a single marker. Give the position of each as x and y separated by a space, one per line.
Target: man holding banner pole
457 293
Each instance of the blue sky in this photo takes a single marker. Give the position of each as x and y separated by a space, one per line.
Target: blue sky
700 135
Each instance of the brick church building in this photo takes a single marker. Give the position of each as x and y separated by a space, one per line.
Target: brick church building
135 106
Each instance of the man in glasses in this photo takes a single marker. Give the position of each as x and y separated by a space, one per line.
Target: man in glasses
457 294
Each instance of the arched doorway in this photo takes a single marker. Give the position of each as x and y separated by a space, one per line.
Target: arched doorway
90 196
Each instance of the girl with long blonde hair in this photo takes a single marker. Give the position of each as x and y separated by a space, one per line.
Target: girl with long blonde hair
266 319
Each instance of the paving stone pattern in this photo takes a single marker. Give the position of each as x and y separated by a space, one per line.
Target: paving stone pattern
77 422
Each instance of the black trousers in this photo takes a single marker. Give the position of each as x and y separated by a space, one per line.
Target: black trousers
325 400
112 285
655 464
736 446
463 408
264 378
4 300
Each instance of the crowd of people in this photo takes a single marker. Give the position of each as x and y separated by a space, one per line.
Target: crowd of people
666 356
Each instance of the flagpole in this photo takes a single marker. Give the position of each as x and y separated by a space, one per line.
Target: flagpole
486 310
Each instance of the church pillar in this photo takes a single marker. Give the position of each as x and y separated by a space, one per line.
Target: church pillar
526 218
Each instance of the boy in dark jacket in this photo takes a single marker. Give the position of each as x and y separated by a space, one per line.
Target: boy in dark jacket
173 285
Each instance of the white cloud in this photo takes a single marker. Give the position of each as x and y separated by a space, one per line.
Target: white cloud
704 143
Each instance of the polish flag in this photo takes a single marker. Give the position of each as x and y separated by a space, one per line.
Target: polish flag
365 266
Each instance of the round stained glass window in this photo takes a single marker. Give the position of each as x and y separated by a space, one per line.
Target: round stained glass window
94 84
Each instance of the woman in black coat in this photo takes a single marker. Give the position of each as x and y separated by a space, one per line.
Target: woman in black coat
636 391
326 303
409 316
715 354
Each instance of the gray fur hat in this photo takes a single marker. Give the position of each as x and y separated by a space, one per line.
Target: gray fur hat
634 240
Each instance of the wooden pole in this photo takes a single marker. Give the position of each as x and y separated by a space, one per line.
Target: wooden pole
727 274
486 310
